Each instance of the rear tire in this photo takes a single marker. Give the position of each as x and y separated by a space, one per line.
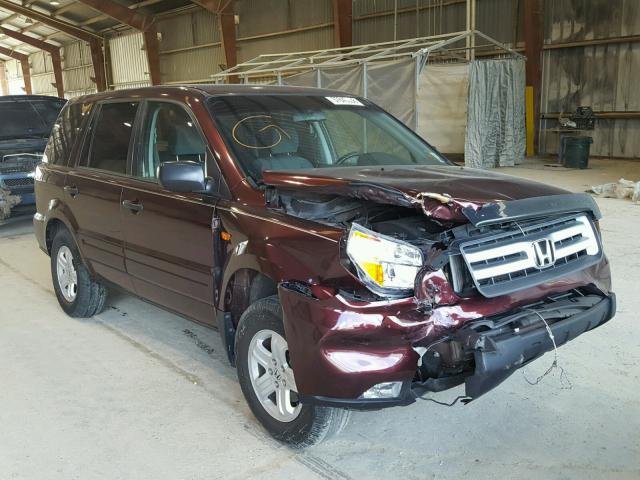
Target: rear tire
78 294
261 332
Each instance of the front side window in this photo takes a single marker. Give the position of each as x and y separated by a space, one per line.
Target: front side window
111 137
283 132
169 134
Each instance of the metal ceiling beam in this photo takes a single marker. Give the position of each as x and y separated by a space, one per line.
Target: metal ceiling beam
50 21
24 64
139 21
52 50
101 17
122 14
95 41
342 18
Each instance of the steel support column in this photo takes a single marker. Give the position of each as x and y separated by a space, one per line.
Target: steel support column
4 84
24 64
227 24
97 59
152 45
533 52
342 18
26 76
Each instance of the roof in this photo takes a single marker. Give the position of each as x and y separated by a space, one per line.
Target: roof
227 89
209 90
24 98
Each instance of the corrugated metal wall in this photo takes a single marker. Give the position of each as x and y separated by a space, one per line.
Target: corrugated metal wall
77 70
289 25
600 76
190 49
14 77
385 20
128 61
42 74
379 20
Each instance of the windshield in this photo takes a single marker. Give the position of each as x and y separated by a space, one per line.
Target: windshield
28 118
282 132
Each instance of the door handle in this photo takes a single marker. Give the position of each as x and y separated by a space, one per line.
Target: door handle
71 190
132 206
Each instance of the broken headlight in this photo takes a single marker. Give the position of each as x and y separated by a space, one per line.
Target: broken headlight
384 264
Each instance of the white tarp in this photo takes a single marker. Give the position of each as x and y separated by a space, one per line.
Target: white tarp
475 108
443 92
346 79
306 79
495 126
392 85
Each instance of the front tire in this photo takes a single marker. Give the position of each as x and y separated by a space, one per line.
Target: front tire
268 384
78 294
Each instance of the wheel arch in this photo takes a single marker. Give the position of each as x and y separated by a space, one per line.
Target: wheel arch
245 286
53 225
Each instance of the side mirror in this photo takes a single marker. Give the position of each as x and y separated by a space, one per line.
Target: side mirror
182 176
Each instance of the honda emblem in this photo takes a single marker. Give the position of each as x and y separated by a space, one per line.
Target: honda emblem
544 253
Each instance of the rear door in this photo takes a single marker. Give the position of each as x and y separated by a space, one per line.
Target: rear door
168 236
93 189
64 141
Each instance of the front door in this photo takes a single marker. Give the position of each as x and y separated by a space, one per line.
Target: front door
93 190
168 236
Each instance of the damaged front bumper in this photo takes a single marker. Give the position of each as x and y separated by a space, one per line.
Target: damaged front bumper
497 347
482 352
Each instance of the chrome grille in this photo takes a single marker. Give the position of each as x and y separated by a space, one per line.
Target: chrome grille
18 182
526 256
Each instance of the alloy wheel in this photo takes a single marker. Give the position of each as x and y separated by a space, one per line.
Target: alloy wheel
272 377
67 274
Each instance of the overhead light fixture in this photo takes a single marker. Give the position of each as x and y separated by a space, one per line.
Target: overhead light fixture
55 3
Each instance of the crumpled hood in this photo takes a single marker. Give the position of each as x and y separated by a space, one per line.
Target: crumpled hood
440 191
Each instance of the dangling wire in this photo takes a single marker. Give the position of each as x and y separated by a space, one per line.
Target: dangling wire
564 379
461 398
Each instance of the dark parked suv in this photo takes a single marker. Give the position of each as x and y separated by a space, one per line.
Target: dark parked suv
25 124
345 262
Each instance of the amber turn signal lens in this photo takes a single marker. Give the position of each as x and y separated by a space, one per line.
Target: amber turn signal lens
225 236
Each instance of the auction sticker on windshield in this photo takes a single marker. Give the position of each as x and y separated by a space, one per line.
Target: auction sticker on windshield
354 102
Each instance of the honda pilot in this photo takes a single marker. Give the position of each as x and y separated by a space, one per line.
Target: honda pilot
345 262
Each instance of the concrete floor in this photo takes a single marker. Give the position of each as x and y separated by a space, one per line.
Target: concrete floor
138 393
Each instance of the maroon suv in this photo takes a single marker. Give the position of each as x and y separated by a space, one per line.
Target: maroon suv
346 263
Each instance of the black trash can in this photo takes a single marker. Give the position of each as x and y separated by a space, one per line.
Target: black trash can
575 151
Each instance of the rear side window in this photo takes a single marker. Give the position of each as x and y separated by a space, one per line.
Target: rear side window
111 137
66 132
